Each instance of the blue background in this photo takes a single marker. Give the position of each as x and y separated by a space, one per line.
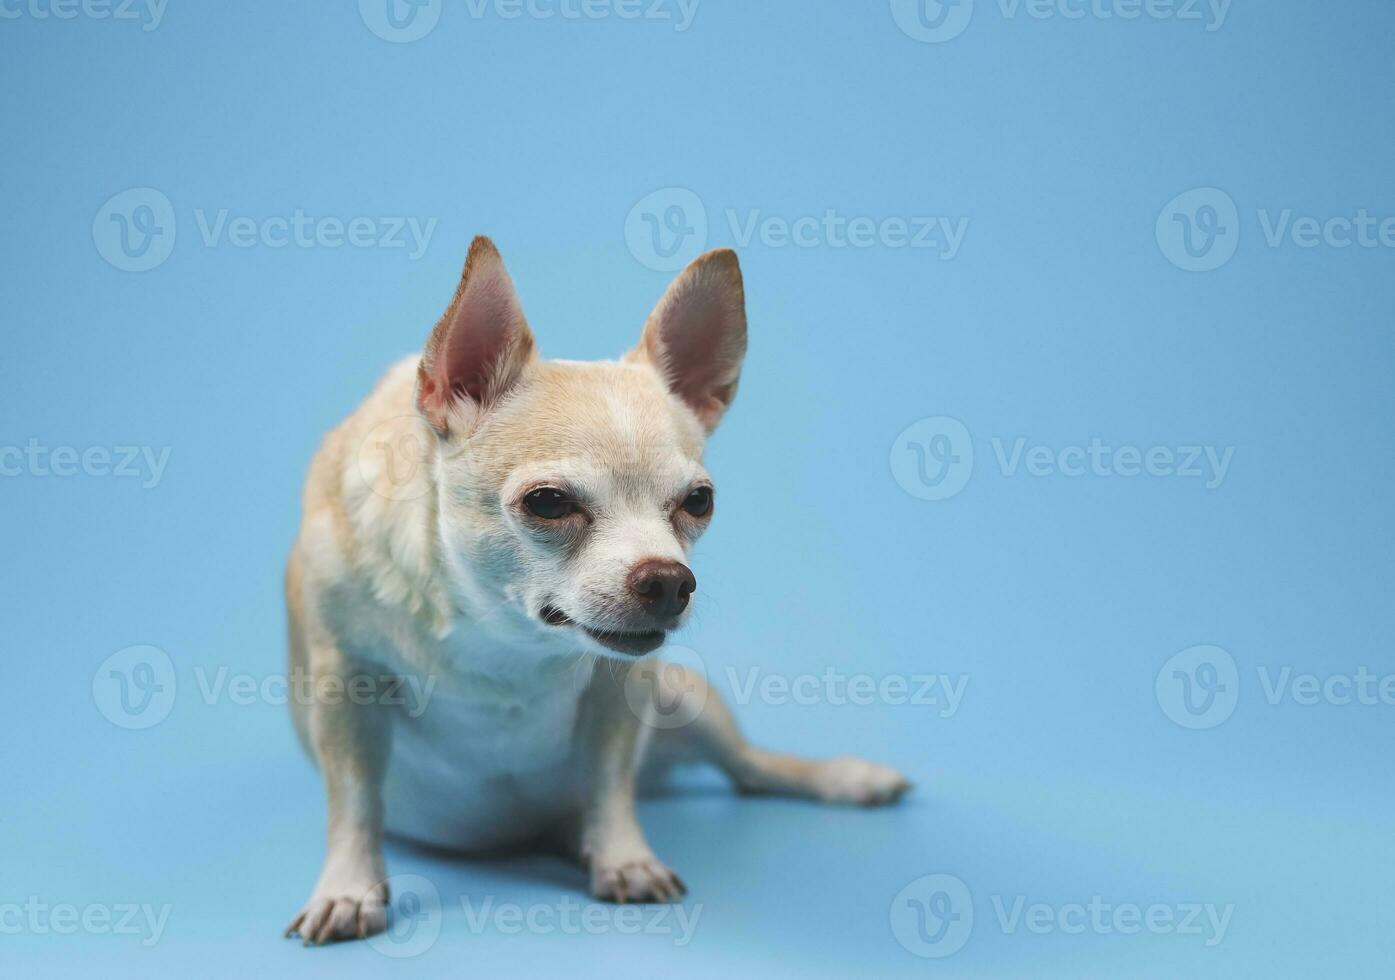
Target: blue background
1059 777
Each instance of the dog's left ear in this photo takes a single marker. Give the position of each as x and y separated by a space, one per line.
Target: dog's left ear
696 336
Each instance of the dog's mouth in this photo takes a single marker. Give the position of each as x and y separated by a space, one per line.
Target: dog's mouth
634 644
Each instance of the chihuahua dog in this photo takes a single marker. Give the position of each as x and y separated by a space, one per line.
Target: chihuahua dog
511 536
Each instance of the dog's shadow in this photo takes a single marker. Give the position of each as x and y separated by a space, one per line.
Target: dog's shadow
544 862
462 873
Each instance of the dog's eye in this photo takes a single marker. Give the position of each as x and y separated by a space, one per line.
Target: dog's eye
549 503
698 503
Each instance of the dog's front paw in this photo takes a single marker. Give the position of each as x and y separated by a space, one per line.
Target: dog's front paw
851 780
335 913
642 880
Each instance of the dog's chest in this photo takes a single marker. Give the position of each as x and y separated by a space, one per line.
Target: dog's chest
489 759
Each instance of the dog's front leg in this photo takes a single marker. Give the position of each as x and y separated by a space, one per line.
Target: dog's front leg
612 846
350 741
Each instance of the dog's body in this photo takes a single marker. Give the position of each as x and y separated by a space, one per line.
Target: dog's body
490 544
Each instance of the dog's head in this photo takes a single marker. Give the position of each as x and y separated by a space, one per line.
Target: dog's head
570 494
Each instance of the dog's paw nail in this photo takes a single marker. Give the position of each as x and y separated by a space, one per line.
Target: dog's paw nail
635 881
330 918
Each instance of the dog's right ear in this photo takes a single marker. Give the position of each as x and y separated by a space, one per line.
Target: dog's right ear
478 349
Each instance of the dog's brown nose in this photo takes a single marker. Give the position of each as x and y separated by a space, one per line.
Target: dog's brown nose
662 586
